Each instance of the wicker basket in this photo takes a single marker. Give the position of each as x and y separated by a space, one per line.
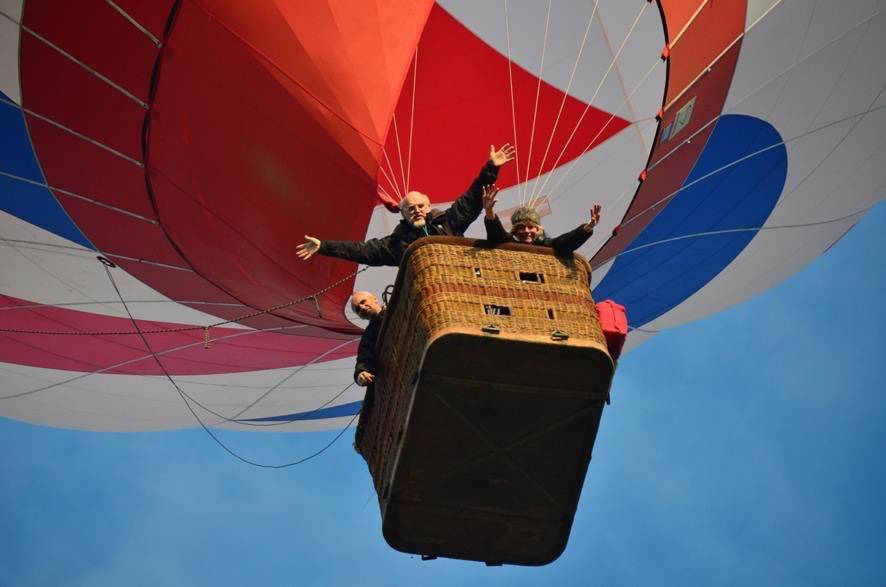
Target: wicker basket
483 348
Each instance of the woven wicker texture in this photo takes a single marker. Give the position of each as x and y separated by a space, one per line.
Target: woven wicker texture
449 282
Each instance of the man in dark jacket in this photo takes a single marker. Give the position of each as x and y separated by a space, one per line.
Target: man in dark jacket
419 220
369 308
526 227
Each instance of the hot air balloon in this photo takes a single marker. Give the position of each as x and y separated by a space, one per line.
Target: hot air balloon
160 161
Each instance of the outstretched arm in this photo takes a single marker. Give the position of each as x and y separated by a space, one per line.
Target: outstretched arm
568 242
469 205
375 252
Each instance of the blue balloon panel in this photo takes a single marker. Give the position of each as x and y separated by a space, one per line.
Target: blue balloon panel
18 166
348 409
655 274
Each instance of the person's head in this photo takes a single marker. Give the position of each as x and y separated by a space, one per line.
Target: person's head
526 225
365 305
414 208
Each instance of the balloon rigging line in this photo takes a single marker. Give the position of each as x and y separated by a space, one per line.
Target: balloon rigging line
36 246
77 134
388 177
289 376
411 118
766 83
114 302
284 72
134 22
541 69
76 61
143 357
563 100
641 125
79 249
760 88
183 397
731 231
205 329
78 196
704 71
590 144
51 274
385 193
597 91
689 22
513 107
834 148
727 231
399 153
747 157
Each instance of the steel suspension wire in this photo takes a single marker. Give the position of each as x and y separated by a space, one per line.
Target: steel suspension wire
513 106
563 100
411 120
196 416
207 327
597 89
541 68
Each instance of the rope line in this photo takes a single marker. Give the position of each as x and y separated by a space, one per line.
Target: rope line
563 100
541 67
238 319
411 119
599 86
184 398
731 231
513 107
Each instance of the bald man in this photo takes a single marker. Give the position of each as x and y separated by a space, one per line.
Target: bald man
419 220
366 306
369 308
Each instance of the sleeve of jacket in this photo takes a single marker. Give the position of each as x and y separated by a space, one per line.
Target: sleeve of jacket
495 232
375 251
366 352
568 242
468 206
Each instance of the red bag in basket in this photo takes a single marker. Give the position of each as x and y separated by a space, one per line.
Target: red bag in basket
614 322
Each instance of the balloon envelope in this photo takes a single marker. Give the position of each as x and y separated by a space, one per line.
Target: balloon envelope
161 161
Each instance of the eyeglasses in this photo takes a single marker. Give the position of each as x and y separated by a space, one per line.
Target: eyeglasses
524 226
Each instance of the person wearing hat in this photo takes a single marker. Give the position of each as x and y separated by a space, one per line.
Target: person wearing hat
419 220
526 227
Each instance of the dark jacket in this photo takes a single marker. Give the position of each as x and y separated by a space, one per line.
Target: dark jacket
367 353
565 244
451 222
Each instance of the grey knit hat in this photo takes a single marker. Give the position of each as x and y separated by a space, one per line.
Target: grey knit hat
526 215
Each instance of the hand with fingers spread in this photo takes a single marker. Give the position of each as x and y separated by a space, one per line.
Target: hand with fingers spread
307 249
596 212
364 378
489 200
503 155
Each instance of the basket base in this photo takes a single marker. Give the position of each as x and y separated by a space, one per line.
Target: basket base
495 449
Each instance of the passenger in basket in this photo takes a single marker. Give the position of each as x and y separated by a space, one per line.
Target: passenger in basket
369 308
526 227
419 220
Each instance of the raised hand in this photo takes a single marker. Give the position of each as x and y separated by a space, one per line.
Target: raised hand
364 378
596 212
489 200
503 155
307 249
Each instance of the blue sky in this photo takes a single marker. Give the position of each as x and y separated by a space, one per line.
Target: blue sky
744 448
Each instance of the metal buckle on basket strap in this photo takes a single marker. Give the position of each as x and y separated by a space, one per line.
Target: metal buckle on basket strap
559 335
492 329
